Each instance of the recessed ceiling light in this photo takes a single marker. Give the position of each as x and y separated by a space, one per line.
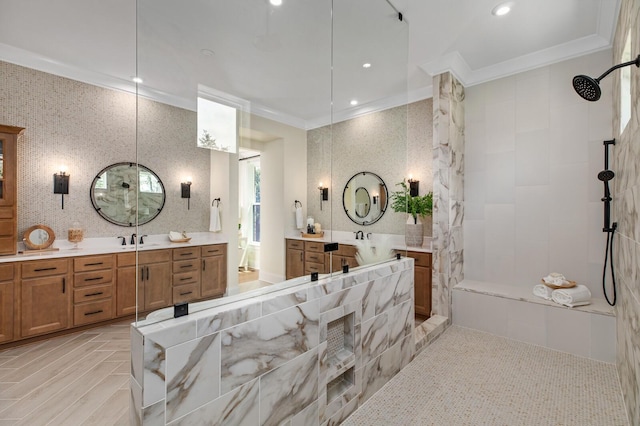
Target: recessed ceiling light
501 9
275 2
136 80
354 102
366 65
207 52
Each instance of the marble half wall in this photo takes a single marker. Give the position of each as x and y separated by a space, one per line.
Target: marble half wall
307 355
448 190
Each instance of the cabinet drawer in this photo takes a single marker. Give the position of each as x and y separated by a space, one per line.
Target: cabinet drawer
314 257
421 259
186 266
6 272
310 267
154 256
214 250
44 268
88 294
186 253
92 263
93 278
186 278
186 293
346 250
87 313
318 247
6 212
7 228
126 259
295 244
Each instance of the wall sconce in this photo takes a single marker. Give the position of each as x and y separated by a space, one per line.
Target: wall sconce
185 188
324 194
413 186
61 184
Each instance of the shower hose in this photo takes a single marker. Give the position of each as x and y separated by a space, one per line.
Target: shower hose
608 255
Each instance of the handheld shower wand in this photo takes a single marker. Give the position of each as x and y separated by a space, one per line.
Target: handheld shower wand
589 88
605 176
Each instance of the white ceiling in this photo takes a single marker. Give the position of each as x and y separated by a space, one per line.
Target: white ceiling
280 58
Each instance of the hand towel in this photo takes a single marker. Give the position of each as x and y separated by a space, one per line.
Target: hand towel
299 218
543 291
575 296
214 220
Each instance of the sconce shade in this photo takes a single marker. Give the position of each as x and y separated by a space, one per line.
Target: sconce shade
60 183
325 194
413 187
186 189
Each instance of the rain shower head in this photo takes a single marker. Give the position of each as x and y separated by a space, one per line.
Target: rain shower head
589 88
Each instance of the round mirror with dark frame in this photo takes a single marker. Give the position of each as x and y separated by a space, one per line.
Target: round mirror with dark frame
365 198
114 191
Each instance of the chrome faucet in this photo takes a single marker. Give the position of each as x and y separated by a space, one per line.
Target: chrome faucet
133 238
359 235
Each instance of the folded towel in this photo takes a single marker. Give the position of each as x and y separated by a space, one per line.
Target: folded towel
575 296
543 291
214 220
555 279
299 218
173 236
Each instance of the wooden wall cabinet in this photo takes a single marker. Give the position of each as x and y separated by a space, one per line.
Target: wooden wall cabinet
45 296
9 136
214 271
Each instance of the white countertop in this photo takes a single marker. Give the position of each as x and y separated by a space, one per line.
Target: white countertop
345 237
108 245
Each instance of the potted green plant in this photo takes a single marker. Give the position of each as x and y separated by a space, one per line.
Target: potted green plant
416 206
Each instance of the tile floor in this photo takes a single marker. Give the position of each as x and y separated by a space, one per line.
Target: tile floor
465 377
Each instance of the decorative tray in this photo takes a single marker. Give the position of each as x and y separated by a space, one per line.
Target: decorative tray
305 235
556 287
181 240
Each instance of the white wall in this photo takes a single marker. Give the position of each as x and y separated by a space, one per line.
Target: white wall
532 199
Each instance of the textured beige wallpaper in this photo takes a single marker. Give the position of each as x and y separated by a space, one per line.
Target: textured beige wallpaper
86 128
390 143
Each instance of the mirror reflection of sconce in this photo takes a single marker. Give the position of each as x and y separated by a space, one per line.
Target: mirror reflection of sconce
375 199
186 191
324 194
413 186
61 184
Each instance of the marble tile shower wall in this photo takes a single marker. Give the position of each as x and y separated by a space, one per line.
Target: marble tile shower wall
532 199
626 210
389 143
266 361
86 128
448 190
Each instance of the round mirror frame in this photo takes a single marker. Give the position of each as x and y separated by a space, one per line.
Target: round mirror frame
383 186
127 223
33 246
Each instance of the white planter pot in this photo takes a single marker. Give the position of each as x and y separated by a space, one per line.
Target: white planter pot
413 232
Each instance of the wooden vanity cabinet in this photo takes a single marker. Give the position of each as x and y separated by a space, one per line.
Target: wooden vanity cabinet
294 258
345 255
45 296
93 289
214 271
186 274
154 281
9 136
7 286
314 257
422 282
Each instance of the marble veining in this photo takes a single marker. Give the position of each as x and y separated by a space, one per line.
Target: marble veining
223 320
375 337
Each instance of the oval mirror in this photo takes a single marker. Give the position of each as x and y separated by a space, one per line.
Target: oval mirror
38 237
365 198
114 191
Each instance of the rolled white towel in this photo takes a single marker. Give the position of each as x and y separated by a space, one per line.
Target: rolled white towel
543 291
575 296
299 218
555 279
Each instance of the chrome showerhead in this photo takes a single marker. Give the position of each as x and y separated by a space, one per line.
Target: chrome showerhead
587 87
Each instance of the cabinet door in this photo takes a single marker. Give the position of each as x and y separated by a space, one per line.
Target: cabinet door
214 276
6 311
45 305
126 291
422 289
295 263
157 285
